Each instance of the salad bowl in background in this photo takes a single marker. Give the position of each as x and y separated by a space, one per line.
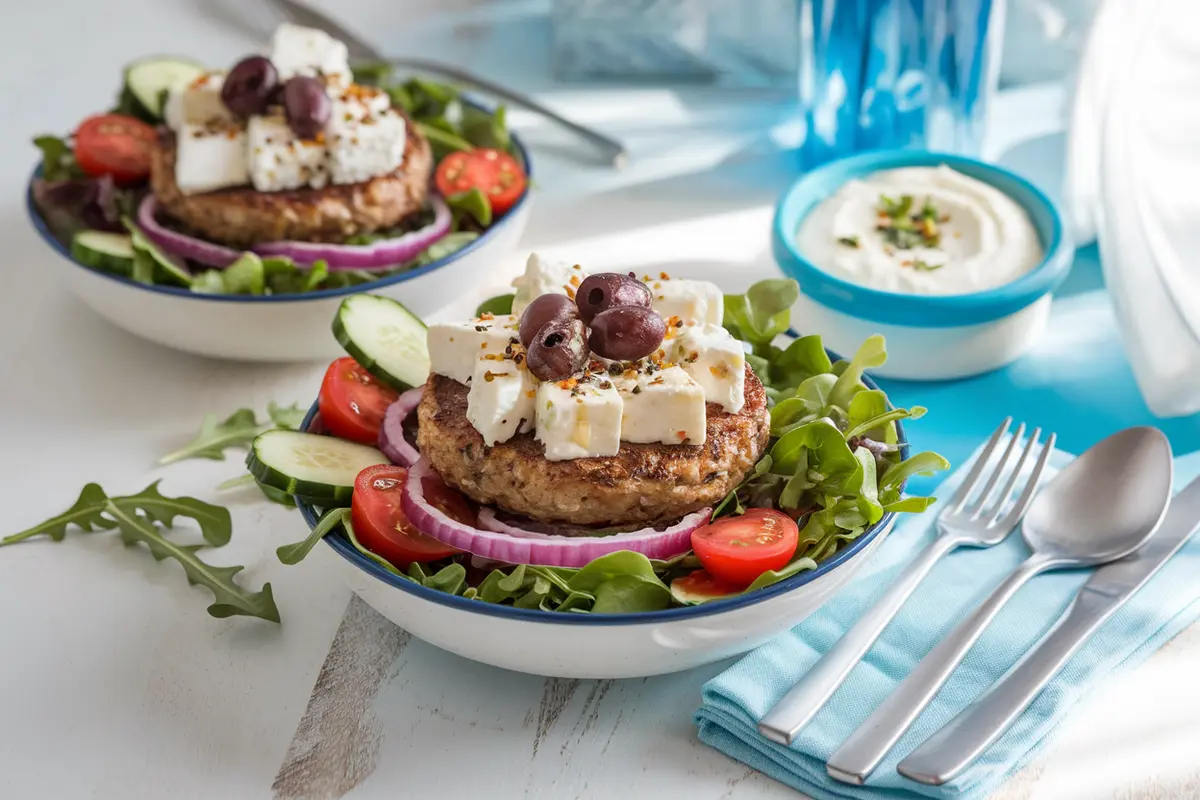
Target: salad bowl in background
285 327
574 645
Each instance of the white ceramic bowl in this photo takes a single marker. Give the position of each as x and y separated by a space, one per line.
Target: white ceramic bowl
596 645
278 327
929 337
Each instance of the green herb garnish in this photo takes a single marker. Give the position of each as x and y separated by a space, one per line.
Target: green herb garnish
848 241
903 229
921 266
143 517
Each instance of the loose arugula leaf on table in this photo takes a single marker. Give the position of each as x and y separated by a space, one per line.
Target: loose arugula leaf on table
499 305
236 430
287 417
141 518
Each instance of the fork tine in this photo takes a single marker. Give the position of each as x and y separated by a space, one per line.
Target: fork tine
1018 510
994 512
976 508
964 489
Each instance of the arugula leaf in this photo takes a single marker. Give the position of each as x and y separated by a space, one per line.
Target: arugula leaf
871 353
473 203
442 141
448 245
497 305
451 579
804 358
763 312
430 98
139 517
485 129
236 430
294 553
921 464
773 576
208 282
58 161
245 276
626 594
86 514
374 73
288 417
910 505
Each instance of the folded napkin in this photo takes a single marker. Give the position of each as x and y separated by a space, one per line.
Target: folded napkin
735 700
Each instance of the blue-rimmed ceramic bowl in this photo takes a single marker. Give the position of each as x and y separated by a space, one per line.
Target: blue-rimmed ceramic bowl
570 645
278 327
929 337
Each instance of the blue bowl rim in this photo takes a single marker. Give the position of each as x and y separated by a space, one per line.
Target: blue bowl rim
64 250
341 545
925 311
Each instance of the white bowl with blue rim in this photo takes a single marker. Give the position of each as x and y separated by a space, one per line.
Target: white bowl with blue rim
568 645
930 337
286 327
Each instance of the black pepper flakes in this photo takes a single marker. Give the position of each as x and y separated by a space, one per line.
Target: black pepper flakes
637 390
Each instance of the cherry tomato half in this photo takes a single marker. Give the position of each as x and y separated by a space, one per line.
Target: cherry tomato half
116 145
739 549
352 401
494 172
381 526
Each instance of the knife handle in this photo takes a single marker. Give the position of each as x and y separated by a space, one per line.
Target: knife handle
945 754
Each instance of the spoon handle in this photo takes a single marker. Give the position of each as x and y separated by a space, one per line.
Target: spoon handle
859 755
802 702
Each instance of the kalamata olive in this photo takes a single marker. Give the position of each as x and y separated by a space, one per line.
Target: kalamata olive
604 290
544 308
306 105
559 349
249 85
626 333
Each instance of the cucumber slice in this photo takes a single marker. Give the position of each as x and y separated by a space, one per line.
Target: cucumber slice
317 468
150 79
110 252
387 339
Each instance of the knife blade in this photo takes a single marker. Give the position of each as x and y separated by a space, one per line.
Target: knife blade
945 754
360 51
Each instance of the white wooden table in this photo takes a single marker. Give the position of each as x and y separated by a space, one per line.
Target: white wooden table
114 682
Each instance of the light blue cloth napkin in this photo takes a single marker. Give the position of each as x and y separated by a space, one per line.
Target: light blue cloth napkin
735 700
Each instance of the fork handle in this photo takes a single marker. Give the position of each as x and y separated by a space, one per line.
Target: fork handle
859 755
802 702
613 150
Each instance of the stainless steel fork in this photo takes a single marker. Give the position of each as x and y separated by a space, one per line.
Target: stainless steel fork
967 520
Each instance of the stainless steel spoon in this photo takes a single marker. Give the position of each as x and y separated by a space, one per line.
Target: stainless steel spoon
1101 507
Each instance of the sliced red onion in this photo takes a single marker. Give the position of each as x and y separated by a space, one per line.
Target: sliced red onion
539 549
383 254
214 255
391 433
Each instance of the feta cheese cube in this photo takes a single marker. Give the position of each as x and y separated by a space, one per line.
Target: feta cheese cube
280 160
198 103
209 158
296 50
362 149
546 277
691 301
454 347
578 421
664 406
355 103
501 399
714 360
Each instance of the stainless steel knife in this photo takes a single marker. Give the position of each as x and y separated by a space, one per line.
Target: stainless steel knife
360 51
949 751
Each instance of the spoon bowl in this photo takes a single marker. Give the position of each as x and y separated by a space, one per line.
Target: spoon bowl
1104 504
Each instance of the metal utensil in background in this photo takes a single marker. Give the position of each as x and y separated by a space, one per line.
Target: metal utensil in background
613 151
960 524
1101 507
945 754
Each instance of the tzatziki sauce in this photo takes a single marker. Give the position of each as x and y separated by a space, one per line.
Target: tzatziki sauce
921 230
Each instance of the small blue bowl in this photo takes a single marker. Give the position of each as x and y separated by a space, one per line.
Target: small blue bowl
924 311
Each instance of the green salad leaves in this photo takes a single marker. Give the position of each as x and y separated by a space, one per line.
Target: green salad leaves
144 518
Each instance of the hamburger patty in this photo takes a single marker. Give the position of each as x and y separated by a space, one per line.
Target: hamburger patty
242 216
642 484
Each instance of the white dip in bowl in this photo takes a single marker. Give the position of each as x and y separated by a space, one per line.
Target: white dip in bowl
921 230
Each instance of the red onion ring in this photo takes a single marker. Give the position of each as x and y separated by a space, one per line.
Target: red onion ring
539 549
214 255
383 254
391 433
